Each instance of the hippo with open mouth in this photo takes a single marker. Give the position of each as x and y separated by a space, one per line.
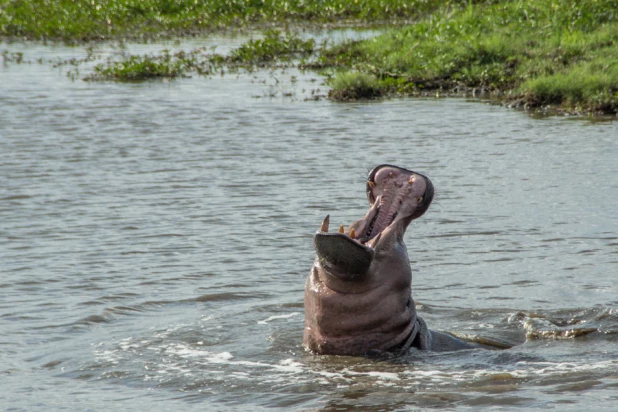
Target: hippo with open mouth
358 294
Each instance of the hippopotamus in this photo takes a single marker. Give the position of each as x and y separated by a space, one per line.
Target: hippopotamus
358 294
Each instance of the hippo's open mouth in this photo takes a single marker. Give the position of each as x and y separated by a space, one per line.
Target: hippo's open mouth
397 196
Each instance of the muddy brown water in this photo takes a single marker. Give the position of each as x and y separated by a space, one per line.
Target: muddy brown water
155 238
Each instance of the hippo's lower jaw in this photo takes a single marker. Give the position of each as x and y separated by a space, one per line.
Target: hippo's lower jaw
396 197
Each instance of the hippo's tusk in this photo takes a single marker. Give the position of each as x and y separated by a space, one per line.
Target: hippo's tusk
324 227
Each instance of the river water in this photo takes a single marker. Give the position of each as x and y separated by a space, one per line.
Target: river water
155 238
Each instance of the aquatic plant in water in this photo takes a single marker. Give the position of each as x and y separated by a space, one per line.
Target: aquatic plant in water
137 68
274 46
354 86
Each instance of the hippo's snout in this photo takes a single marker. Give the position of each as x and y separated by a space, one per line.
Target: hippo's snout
402 189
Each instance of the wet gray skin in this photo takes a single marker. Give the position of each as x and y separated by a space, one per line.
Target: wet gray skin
358 293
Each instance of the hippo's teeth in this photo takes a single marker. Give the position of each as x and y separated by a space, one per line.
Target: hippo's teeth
419 199
371 184
369 229
341 229
411 179
375 240
324 227
352 233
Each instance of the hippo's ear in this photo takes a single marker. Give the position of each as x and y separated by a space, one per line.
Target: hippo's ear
341 256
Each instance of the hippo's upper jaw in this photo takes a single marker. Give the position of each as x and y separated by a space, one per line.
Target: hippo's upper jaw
396 196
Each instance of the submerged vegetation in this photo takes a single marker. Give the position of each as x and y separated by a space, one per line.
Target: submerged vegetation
137 68
537 54
274 46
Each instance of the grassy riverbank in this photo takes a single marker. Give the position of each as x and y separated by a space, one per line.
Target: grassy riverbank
549 55
72 20
540 54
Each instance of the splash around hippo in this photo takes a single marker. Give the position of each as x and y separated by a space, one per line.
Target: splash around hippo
358 294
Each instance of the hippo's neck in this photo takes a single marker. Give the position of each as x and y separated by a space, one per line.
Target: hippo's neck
353 323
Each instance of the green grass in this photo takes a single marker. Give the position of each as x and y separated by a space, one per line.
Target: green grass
534 53
274 46
137 68
97 19
354 86
543 52
588 86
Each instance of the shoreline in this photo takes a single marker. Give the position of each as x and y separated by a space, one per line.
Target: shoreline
518 55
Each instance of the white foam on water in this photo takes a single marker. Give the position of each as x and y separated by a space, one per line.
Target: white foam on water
554 368
389 376
184 359
349 376
286 316
430 374
287 365
290 365
524 370
329 375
